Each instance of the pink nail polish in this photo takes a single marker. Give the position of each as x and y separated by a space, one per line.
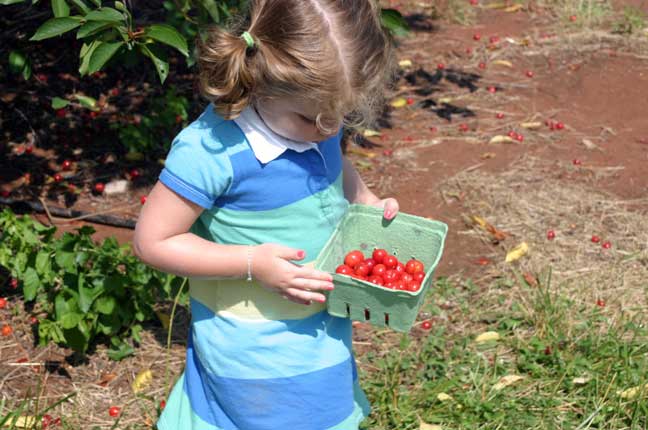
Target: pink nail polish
388 215
301 254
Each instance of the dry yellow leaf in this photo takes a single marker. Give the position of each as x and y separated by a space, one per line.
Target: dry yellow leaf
445 100
479 220
164 318
426 426
581 380
23 422
507 380
501 139
399 102
531 125
496 5
361 152
502 63
371 133
514 8
405 63
142 380
633 392
517 252
488 336
443 397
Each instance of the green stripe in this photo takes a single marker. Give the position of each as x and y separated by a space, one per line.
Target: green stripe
306 224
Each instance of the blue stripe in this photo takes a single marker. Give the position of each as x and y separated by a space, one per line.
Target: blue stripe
287 179
185 189
317 400
238 348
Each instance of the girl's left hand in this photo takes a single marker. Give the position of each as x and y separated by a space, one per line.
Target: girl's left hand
390 206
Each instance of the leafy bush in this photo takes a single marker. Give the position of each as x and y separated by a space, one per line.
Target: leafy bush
87 292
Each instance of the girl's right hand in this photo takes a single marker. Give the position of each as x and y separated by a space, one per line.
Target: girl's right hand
271 266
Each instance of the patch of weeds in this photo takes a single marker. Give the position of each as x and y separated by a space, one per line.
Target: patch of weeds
632 21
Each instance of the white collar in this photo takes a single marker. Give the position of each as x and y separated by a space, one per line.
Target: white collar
266 144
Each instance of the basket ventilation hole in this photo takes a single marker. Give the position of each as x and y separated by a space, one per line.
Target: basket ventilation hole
367 315
348 310
386 319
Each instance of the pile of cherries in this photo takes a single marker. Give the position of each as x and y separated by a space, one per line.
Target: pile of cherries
383 269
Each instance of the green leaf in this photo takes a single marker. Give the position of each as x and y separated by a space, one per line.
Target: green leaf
8 2
87 295
65 260
70 320
120 351
43 262
81 6
56 26
59 103
166 34
120 6
102 54
161 66
212 9
105 14
86 101
60 8
393 21
93 27
76 339
105 305
27 71
17 61
31 283
85 54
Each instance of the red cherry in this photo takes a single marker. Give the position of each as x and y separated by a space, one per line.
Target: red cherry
354 258
433 129
391 276
362 269
476 36
388 152
600 303
379 270
551 235
426 325
499 115
33 320
100 187
143 199
492 90
134 173
178 119
344 270
371 263
390 285
512 134
406 277
560 125
3 302
414 266
482 65
360 277
29 149
61 113
573 18
606 245
596 239
529 73
46 420
6 330
474 2
419 276
494 39
390 261
57 421
400 285
440 66
400 268
66 165
162 404
469 50
113 411
410 101
413 286
41 77
547 350
464 127
378 280
58 177
72 188
519 138
576 162
13 283
114 92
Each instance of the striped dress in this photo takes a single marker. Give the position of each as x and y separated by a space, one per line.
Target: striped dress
256 361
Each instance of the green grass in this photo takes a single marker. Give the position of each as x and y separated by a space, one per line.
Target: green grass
574 361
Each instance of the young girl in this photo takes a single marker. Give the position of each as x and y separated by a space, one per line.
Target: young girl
255 184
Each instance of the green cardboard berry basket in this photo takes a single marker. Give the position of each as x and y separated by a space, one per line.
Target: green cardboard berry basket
406 236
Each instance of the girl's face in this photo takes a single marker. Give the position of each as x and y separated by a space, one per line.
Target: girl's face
292 119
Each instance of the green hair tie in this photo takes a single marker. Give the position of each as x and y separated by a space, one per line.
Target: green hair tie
248 39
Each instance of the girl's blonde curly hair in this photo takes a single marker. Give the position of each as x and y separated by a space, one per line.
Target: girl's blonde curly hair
333 53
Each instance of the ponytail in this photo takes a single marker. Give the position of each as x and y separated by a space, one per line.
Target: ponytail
226 70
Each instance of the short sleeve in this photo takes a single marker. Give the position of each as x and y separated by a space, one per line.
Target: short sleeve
198 171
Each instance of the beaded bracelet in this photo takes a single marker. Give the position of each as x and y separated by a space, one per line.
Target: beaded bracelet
249 264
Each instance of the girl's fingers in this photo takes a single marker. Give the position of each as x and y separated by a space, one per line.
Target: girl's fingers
311 284
306 296
295 299
310 273
391 208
